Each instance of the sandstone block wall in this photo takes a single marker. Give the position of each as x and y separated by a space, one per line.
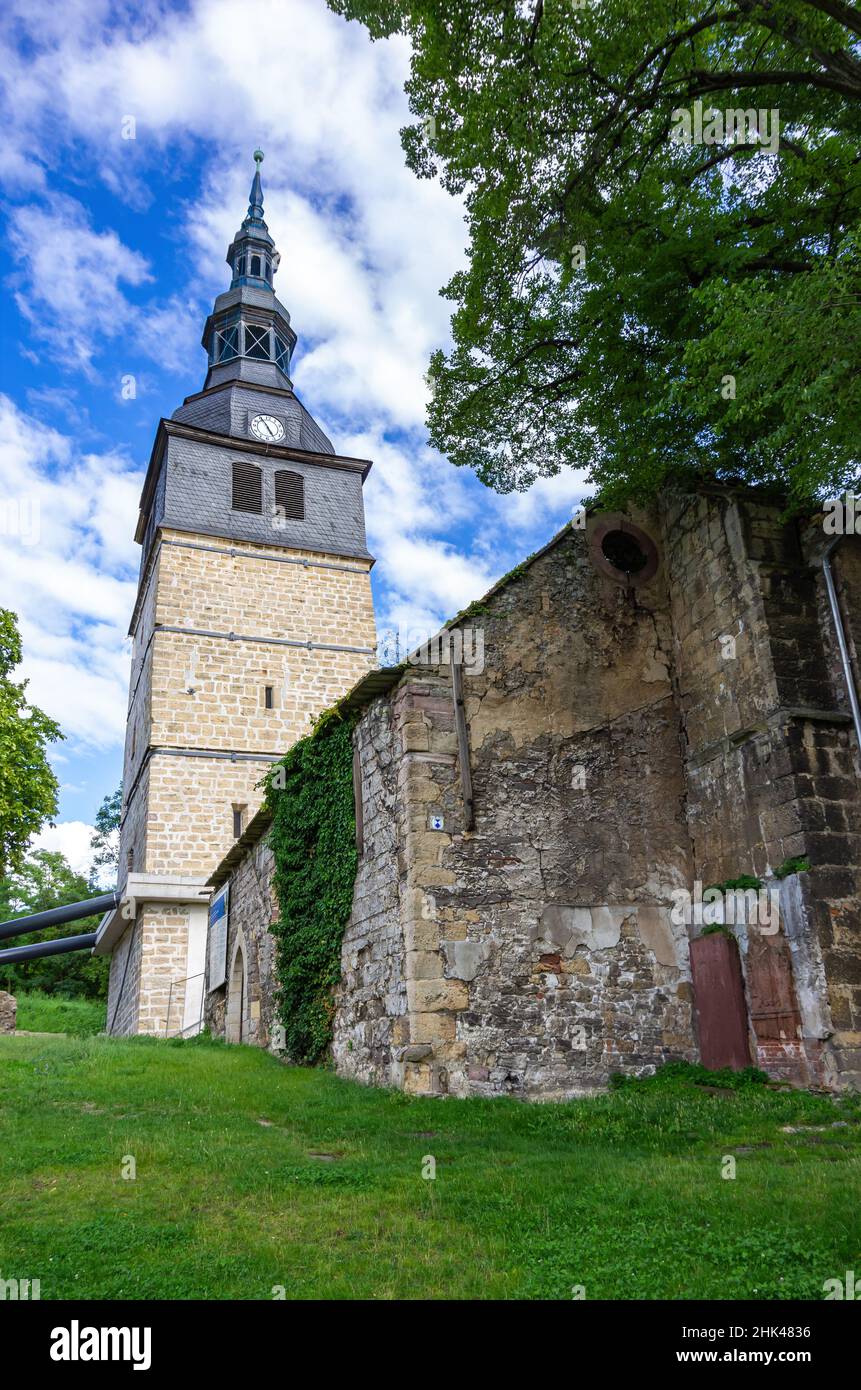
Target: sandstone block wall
152 1000
124 984
201 734
207 693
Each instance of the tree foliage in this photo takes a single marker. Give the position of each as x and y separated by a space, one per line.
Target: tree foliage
310 793
28 787
43 881
634 305
105 840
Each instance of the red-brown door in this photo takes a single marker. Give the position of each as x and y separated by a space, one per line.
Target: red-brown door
773 1010
720 1004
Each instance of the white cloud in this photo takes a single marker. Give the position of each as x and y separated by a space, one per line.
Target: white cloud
68 278
546 499
67 569
72 839
365 248
69 286
366 245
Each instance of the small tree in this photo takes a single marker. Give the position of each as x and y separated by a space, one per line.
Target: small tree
28 787
105 839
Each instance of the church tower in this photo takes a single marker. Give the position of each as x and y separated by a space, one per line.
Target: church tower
253 614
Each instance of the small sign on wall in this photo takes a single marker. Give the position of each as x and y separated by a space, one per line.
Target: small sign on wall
218 938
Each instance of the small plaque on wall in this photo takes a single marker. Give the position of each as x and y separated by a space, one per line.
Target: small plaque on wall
218 938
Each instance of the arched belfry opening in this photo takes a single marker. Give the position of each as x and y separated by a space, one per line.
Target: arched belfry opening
236 1019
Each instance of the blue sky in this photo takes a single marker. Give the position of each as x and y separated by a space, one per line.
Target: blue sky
115 250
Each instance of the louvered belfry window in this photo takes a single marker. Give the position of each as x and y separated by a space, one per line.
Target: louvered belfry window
290 495
247 487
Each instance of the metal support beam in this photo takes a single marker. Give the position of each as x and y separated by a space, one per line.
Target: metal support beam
58 947
55 916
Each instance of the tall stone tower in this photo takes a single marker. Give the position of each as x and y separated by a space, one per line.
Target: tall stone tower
253 614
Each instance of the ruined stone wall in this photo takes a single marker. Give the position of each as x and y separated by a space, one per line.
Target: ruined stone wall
623 745
538 950
8 1012
370 1026
767 752
830 779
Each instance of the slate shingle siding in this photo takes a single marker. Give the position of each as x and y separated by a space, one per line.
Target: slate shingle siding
198 499
155 516
229 411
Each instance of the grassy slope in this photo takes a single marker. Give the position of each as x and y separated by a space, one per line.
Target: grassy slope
49 1013
621 1193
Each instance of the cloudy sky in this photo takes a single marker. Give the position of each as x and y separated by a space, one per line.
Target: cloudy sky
115 251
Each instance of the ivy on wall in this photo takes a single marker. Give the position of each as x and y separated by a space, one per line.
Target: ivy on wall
313 839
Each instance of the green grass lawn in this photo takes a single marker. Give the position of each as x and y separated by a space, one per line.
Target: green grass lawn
251 1174
50 1013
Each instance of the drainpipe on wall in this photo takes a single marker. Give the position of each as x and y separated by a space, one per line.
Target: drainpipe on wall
841 638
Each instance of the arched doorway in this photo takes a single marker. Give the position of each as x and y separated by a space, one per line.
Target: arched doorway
235 1026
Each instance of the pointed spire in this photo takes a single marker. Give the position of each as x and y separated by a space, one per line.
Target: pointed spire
248 334
251 254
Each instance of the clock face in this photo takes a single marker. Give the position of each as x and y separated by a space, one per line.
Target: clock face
268 428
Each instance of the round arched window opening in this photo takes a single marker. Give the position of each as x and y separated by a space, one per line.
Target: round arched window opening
623 552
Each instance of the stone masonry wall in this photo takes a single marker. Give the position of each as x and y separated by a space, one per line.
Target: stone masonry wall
623 745
8 1012
124 983
252 907
829 780
371 1024
153 997
164 953
768 758
203 693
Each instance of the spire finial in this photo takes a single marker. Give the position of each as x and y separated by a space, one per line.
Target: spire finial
255 197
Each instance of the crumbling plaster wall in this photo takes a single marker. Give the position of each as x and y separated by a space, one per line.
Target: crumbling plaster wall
538 954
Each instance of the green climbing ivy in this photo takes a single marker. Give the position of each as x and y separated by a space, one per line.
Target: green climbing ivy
798 864
313 838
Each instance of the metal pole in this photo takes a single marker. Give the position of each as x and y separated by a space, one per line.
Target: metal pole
49 948
55 916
